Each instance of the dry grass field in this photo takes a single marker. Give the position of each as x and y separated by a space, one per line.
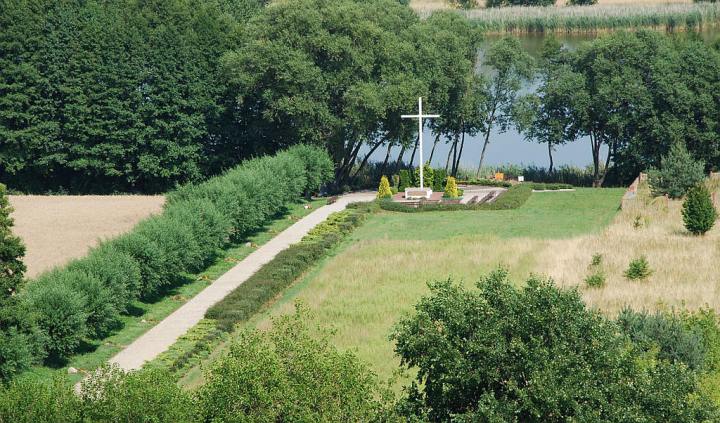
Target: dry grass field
432 5
58 228
686 268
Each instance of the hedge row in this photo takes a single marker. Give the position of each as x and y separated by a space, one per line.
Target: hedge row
85 299
285 268
513 198
550 187
486 183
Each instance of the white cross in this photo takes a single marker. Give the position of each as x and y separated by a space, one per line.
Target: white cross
420 117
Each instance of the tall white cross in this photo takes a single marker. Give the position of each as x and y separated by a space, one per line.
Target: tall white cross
420 117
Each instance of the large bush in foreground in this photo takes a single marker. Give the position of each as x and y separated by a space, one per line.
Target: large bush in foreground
290 373
698 210
534 355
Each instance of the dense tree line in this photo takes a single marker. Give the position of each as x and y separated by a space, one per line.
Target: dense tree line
115 95
636 94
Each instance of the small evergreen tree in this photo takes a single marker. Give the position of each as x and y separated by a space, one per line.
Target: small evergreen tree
451 189
12 251
698 211
428 176
678 172
384 190
639 269
405 180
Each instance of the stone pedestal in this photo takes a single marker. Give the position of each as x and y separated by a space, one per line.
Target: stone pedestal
418 193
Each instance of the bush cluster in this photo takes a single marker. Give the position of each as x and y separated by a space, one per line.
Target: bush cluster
285 268
535 354
86 298
513 198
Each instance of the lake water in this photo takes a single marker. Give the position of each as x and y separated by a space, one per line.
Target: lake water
512 147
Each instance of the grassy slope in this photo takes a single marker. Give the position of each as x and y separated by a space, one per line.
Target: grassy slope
147 314
384 268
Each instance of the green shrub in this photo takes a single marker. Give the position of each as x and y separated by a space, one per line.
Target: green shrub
32 401
405 180
384 188
678 172
428 176
317 163
451 189
550 187
698 211
12 251
290 373
487 183
395 182
439 180
98 303
156 271
675 341
597 259
638 269
596 279
61 315
16 353
118 272
152 395
502 354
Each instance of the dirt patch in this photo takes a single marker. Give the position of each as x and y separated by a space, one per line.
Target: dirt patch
56 229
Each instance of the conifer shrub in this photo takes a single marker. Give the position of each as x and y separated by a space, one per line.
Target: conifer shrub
12 251
395 182
428 176
451 189
384 188
596 279
639 269
405 180
698 211
439 179
678 172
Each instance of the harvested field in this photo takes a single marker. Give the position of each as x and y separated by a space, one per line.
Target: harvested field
58 228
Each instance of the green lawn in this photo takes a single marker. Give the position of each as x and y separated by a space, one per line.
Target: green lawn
545 215
382 270
148 314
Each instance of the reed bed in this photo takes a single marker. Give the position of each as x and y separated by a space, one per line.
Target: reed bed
596 18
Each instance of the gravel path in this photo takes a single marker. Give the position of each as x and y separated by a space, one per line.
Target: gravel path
164 334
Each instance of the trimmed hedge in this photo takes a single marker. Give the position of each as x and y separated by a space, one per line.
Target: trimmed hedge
513 198
285 268
85 299
486 183
550 187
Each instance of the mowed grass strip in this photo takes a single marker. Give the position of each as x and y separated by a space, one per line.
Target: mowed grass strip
544 215
386 264
146 315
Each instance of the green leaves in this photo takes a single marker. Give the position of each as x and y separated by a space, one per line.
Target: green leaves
699 214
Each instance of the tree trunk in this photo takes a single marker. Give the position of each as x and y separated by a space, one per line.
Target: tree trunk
595 145
482 154
456 166
412 157
400 157
550 169
367 157
387 157
447 162
432 152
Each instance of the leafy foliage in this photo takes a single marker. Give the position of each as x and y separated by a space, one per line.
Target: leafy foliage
290 373
698 211
678 172
501 354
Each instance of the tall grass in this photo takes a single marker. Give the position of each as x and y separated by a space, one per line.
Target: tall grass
523 19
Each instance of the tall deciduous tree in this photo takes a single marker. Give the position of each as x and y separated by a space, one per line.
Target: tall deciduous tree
510 66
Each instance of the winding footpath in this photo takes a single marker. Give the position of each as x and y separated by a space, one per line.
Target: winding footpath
164 334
